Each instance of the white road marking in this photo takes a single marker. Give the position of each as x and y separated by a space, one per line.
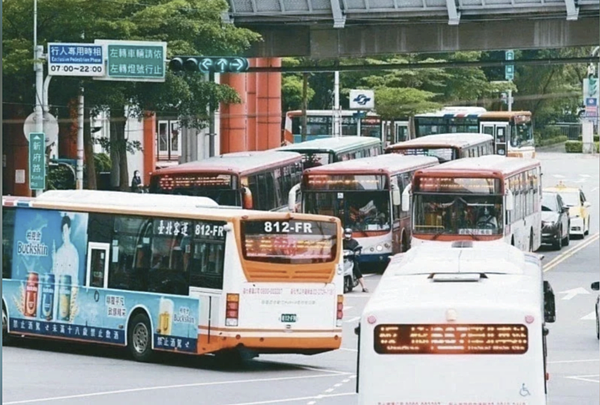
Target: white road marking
356 318
594 189
329 390
337 372
589 317
168 387
564 256
570 294
311 403
357 295
593 378
277 401
573 361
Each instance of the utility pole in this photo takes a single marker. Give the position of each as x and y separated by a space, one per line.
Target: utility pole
304 103
38 68
336 105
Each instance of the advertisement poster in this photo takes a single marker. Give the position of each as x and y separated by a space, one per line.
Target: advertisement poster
46 295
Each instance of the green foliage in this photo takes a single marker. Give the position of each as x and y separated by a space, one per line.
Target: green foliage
393 103
577 147
291 92
552 141
596 138
60 178
102 162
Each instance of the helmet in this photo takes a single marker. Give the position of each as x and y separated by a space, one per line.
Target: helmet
347 233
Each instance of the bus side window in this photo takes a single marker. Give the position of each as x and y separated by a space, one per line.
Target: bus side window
206 270
122 272
271 197
167 273
253 186
8 236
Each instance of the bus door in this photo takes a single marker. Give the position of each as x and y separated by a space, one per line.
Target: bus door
499 131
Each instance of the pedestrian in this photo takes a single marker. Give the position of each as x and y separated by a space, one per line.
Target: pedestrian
136 182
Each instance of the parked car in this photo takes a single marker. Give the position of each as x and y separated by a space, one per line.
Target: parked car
579 208
555 220
596 286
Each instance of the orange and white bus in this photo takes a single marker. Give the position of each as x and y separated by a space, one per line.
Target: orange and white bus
365 194
512 130
126 270
251 180
484 198
446 147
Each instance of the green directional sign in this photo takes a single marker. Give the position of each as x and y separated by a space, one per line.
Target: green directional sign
37 161
509 70
134 60
207 64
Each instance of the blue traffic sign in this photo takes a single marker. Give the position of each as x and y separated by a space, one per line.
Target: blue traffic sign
208 64
591 102
75 59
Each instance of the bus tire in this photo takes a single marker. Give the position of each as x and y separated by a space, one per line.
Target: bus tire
5 337
139 338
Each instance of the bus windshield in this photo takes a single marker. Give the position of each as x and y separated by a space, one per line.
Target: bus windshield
358 210
443 154
458 214
521 135
219 187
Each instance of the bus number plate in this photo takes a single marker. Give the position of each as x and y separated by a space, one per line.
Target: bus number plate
288 318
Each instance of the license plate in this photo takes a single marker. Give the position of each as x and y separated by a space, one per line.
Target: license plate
288 318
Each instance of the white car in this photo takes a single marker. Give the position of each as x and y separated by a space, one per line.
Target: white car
596 286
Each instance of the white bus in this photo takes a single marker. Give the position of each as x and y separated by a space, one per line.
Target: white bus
457 323
156 273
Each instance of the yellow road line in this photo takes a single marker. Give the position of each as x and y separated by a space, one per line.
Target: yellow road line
564 256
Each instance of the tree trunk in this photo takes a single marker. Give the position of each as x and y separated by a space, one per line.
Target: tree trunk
88 148
114 149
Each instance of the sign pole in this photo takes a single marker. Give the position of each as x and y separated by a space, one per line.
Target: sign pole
38 67
80 123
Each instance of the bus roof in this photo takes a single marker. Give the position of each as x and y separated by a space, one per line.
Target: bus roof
454 140
336 145
390 164
117 198
239 163
128 206
455 112
504 114
482 166
327 113
487 269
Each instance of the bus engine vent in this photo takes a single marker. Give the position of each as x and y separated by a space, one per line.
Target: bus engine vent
461 244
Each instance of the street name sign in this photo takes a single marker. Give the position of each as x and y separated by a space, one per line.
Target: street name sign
37 161
74 59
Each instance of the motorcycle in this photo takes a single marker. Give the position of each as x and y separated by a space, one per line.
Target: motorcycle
350 281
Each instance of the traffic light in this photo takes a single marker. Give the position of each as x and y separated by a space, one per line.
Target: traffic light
592 86
206 64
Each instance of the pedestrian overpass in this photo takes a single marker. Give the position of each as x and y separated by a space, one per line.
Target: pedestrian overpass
355 28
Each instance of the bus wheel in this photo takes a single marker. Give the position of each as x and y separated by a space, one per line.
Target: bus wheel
139 339
230 358
5 337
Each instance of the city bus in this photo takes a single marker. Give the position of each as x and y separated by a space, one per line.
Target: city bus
475 313
319 124
365 194
330 150
446 147
512 130
484 198
126 271
251 180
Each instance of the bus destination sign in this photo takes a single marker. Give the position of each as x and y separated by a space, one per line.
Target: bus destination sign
457 185
168 182
346 182
451 339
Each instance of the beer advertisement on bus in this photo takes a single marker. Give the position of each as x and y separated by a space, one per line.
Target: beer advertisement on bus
47 294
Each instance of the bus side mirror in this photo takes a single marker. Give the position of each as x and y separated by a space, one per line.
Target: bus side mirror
549 303
510 201
396 197
406 199
357 330
247 198
595 285
293 197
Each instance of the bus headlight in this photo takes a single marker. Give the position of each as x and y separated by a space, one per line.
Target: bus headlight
379 248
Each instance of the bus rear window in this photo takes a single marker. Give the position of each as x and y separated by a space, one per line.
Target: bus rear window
451 339
290 242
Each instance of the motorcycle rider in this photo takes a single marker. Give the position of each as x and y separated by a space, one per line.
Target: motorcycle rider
352 244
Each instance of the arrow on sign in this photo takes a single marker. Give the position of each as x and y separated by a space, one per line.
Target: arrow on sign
237 64
222 64
573 292
206 64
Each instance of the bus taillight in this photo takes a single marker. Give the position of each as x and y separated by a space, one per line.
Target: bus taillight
232 310
340 310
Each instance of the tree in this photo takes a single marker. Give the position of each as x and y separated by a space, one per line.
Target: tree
188 27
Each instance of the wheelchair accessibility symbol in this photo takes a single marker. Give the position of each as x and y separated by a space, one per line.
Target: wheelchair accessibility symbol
524 391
